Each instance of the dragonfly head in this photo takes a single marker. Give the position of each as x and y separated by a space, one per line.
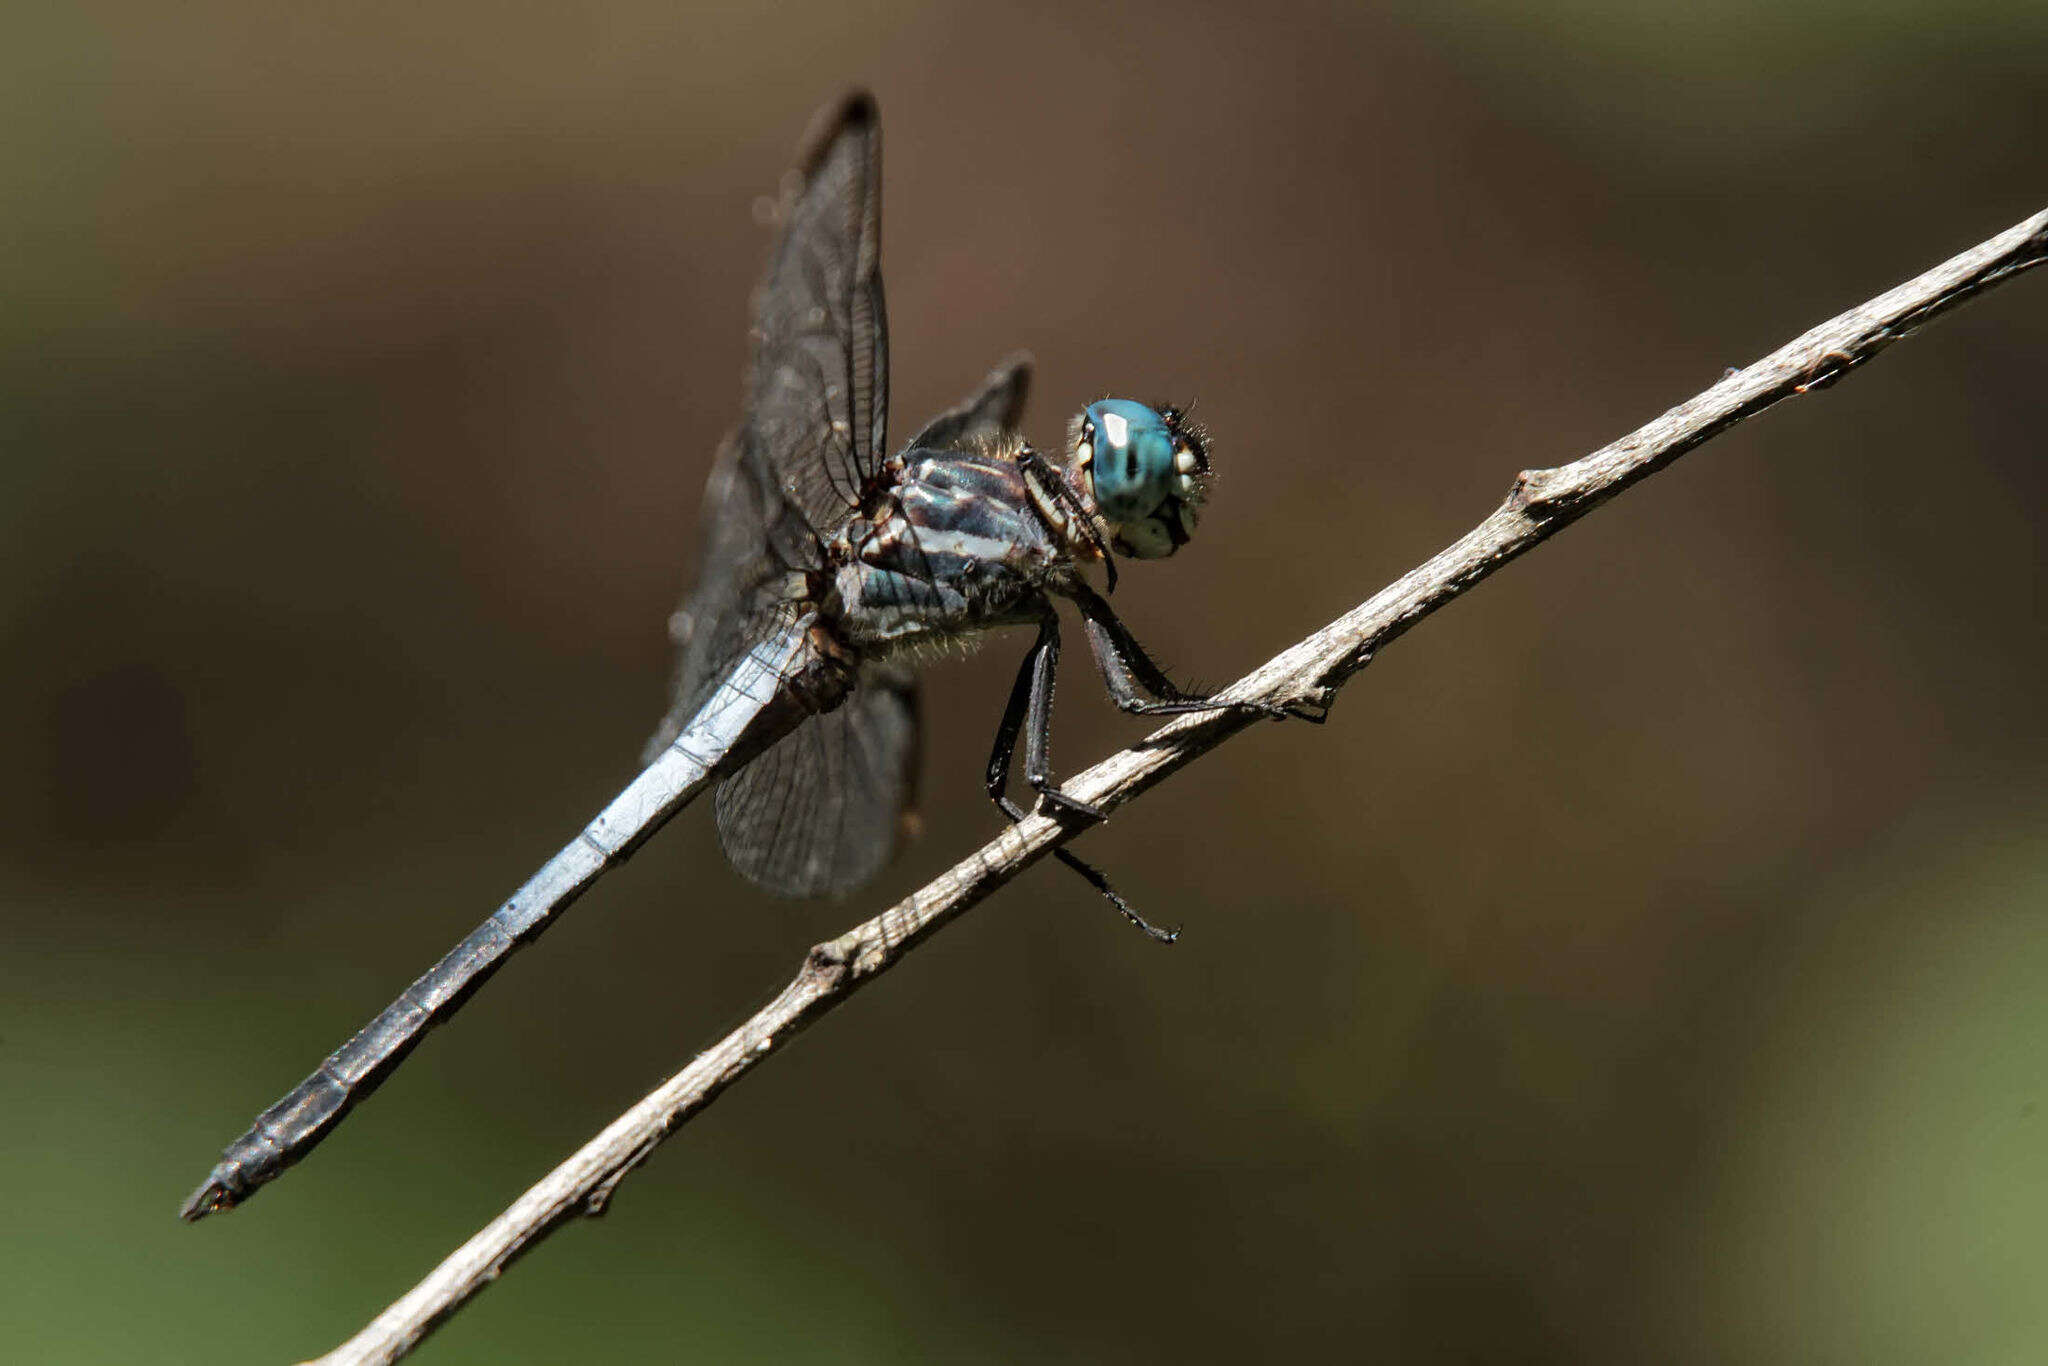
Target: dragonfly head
1144 470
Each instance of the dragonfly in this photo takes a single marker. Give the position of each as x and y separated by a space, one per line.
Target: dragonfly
831 568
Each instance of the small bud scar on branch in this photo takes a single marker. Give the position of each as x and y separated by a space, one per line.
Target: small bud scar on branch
1306 676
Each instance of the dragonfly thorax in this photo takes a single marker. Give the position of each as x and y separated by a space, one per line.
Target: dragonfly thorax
961 550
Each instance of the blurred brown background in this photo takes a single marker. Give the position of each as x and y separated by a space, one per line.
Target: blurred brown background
1645 964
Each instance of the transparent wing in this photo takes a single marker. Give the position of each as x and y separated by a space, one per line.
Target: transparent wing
819 811
742 593
822 811
787 479
818 399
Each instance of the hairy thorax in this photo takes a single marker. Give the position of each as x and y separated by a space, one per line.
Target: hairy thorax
958 550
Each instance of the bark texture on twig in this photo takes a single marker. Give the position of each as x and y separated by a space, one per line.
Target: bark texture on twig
1541 502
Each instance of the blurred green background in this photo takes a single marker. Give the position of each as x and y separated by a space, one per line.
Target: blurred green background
1645 964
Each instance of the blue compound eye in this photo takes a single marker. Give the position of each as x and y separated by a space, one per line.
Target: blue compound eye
1145 471
1131 459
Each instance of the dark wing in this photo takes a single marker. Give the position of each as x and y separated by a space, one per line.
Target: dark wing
818 397
821 812
998 408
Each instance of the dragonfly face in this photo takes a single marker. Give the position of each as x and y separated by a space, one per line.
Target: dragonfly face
1145 470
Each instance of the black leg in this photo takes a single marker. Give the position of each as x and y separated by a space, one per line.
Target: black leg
1126 669
1006 736
1029 711
1038 724
1051 481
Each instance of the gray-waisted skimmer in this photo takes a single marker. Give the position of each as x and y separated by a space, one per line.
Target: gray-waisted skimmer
829 564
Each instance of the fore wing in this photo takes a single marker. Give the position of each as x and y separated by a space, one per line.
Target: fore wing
818 399
822 811
807 447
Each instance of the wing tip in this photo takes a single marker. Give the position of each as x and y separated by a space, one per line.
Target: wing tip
1019 363
854 110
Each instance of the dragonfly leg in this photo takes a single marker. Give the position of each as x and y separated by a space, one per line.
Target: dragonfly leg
1130 673
1038 724
1039 468
1029 714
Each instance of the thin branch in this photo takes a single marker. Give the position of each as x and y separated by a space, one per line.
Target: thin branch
1307 675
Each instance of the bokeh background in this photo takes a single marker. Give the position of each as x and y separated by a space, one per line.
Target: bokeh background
1645 964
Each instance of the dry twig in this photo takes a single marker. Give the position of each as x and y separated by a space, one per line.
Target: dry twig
1540 503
